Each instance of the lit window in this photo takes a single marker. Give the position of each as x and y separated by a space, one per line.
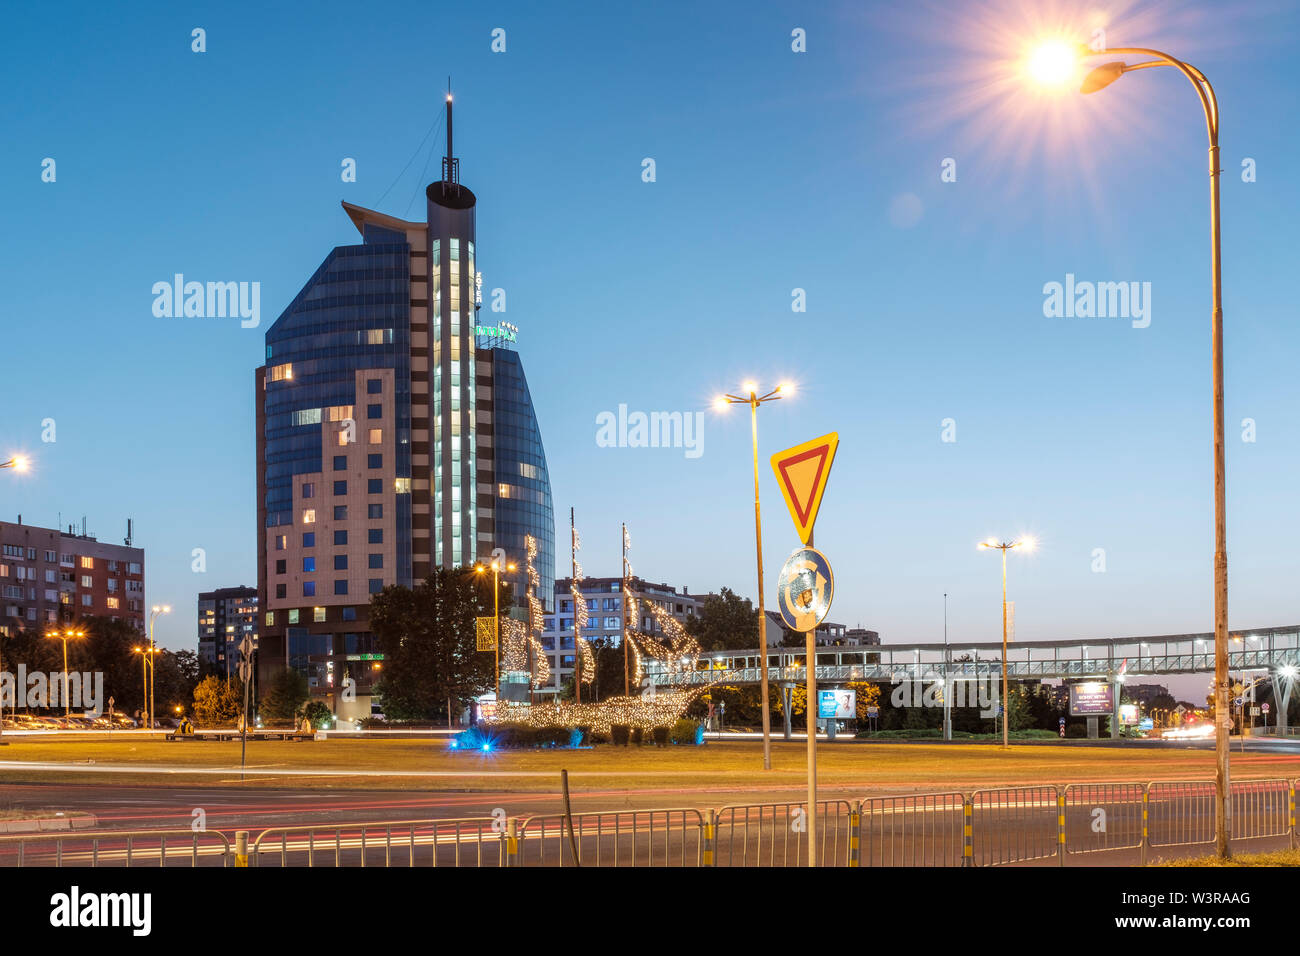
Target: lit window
114 604
270 618
293 616
309 516
340 413
309 564
281 541
318 614
279 373
307 416
87 562
402 486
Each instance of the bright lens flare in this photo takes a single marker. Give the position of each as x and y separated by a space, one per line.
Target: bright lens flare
1027 544
1053 64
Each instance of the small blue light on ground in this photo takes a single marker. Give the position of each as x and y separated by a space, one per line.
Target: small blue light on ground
487 746
453 745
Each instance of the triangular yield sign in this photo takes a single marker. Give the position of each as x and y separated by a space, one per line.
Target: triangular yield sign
801 472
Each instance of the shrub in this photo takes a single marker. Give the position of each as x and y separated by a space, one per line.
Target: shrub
638 736
660 735
619 734
686 732
516 737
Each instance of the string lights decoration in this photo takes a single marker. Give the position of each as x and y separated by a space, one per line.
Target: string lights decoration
586 659
521 649
679 651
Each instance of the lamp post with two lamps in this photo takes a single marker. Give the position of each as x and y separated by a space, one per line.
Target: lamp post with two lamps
1026 544
753 400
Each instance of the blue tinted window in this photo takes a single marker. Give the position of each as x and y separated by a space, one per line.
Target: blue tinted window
374 511
349 613
340 462
375 536
340 562
340 487
340 537
374 486
340 512
375 461
376 560
374 411
309 539
309 564
340 587
376 585
308 588
374 386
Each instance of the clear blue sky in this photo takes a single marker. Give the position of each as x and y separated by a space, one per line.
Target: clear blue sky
775 170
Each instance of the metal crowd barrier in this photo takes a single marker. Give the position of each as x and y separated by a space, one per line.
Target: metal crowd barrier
925 829
1014 825
776 834
986 827
126 848
673 837
1103 816
472 841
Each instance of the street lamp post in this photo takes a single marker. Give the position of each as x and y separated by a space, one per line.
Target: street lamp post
67 634
753 401
496 619
1004 547
164 609
1054 63
17 463
146 656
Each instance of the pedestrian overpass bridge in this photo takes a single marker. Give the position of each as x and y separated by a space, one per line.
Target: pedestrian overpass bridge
1259 649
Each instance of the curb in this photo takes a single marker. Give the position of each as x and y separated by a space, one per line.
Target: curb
81 821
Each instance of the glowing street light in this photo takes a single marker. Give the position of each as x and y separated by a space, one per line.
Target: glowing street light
17 463
1046 64
991 544
67 634
754 400
157 610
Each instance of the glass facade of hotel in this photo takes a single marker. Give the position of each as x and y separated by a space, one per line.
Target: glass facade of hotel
522 484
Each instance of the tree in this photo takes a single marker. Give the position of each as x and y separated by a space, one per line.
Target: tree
176 679
725 622
428 636
318 712
217 703
286 695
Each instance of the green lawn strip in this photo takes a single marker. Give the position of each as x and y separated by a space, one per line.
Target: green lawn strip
1275 858
917 766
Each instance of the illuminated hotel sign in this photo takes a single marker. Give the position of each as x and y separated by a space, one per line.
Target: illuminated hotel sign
504 331
478 289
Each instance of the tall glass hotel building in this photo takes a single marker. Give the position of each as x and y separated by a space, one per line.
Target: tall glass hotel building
394 435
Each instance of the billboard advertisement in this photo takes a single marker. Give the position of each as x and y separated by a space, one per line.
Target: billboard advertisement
1093 699
837 704
1128 714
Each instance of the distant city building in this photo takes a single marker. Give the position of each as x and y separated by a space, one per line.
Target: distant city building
47 575
1145 693
395 435
225 617
828 634
604 599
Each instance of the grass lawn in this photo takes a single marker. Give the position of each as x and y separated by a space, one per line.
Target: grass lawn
428 765
1276 858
